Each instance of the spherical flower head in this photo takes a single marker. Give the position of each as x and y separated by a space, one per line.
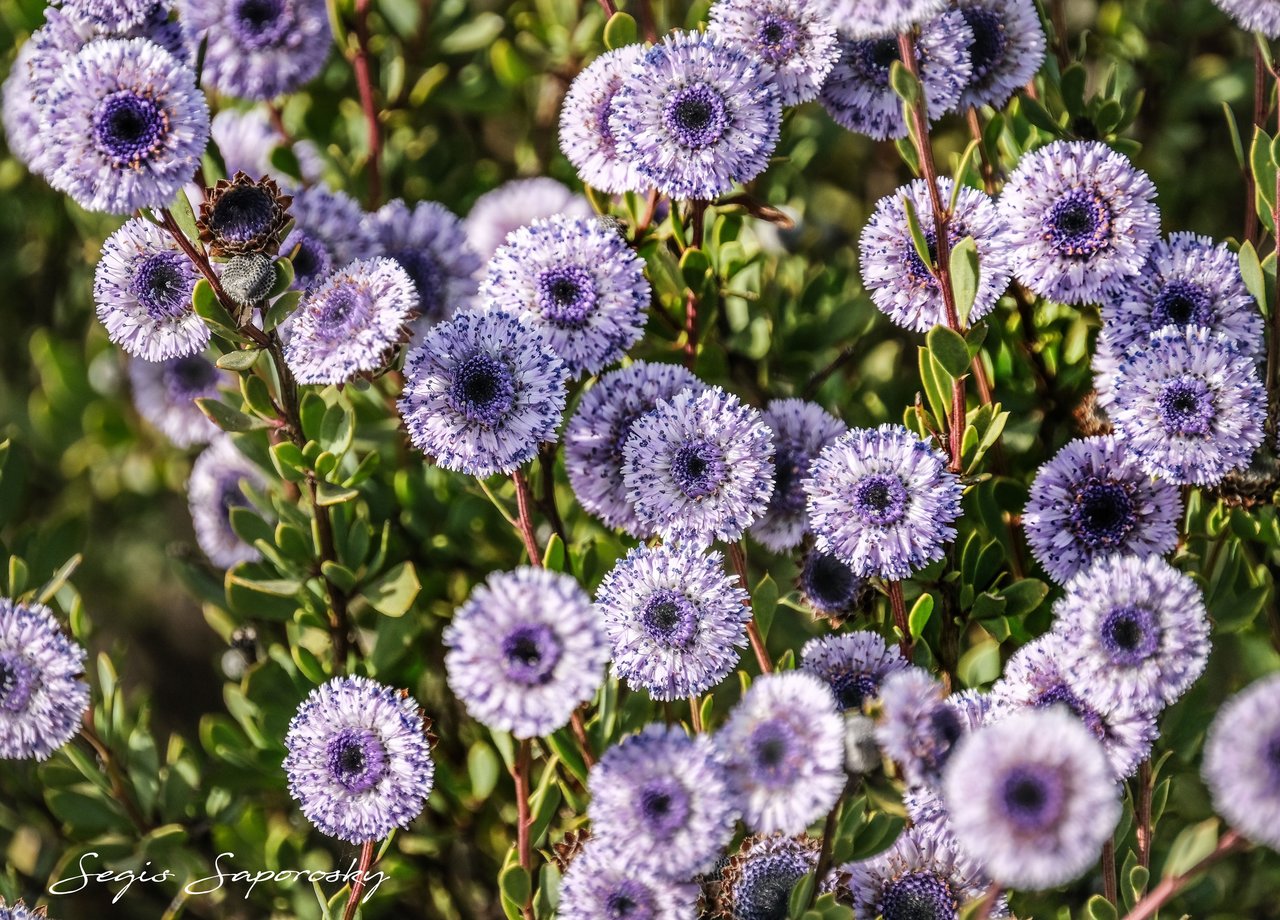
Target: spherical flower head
1094 499
21 114
515 204
359 763
213 489
19 911
585 136
699 467
783 745
756 882
1136 633
901 285
1032 799
142 288
1035 678
259 49
857 94
794 37
242 215
109 14
42 695
1082 220
481 393
430 244
329 231
675 618
1253 15
697 115
883 501
853 665
130 125
165 392
525 651
829 586
246 138
918 729
351 323
872 18
663 798
801 430
578 281
1007 52
1190 406
1242 761
603 880
922 875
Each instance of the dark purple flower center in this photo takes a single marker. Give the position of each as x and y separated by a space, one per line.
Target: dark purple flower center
260 23
990 39
776 753
880 499
341 312
356 759
483 389
1079 224
1182 303
789 467
566 295
698 469
695 116
1186 407
129 127
19 680
777 38
1271 760
670 618
312 261
424 270
1130 634
917 271
1102 514
162 282
241 213
944 730
871 58
918 896
664 806
189 377
1032 796
630 900
766 886
1060 695
853 688
829 584
231 495
531 653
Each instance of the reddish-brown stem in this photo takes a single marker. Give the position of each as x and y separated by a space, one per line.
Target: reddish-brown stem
364 86
524 518
828 843
697 211
1171 885
1058 16
608 7
524 845
989 178
988 903
579 728
739 557
1144 813
650 208
1251 231
1110 888
695 715
899 607
362 877
119 790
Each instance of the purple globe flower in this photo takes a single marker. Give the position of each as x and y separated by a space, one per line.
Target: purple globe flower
165 392
1135 633
901 285
430 244
112 14
663 798
595 436
245 138
329 232
604 881
259 49
1007 52
19 911
675 619
359 763
696 116
42 694
213 489
922 875
872 18
579 282
757 881
142 288
918 727
794 37
21 115
1253 15
525 651
783 745
1032 799
351 323
585 136
882 501
800 431
699 467
857 94
481 393
1082 220
515 204
853 665
1094 499
1242 761
1190 406
129 123
829 586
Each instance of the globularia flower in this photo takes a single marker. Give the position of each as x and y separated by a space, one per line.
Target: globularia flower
21 115
242 215
852 664
142 289
857 94
675 618
1253 15
900 284
351 323
514 204
756 882
663 798
585 136
829 585
1032 798
42 695
129 123
110 14
1094 499
868 18
429 243
481 392
918 728
359 763
165 392
578 281
801 430
212 491
329 231
783 745
19 911
882 500
1136 632
697 115
1189 406
1242 761
1082 219
699 467
594 437
246 137
1008 49
794 37
259 49
922 875
604 881
525 651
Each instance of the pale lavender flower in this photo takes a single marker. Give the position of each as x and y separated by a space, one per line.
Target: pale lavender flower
585 136
604 881
797 38
801 429
853 665
1007 52
1253 15
329 231
756 882
246 138
1242 761
431 246
110 14
869 18
21 115
918 729
165 392
514 204
42 692
923 875
213 489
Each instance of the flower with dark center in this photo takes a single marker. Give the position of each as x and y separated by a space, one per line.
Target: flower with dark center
42 693
165 392
605 882
853 665
757 881
874 18
585 137
243 215
829 585
800 431
1242 761
518 203
212 490
329 232
918 728
530 654
923 876
1253 15
430 244
796 38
